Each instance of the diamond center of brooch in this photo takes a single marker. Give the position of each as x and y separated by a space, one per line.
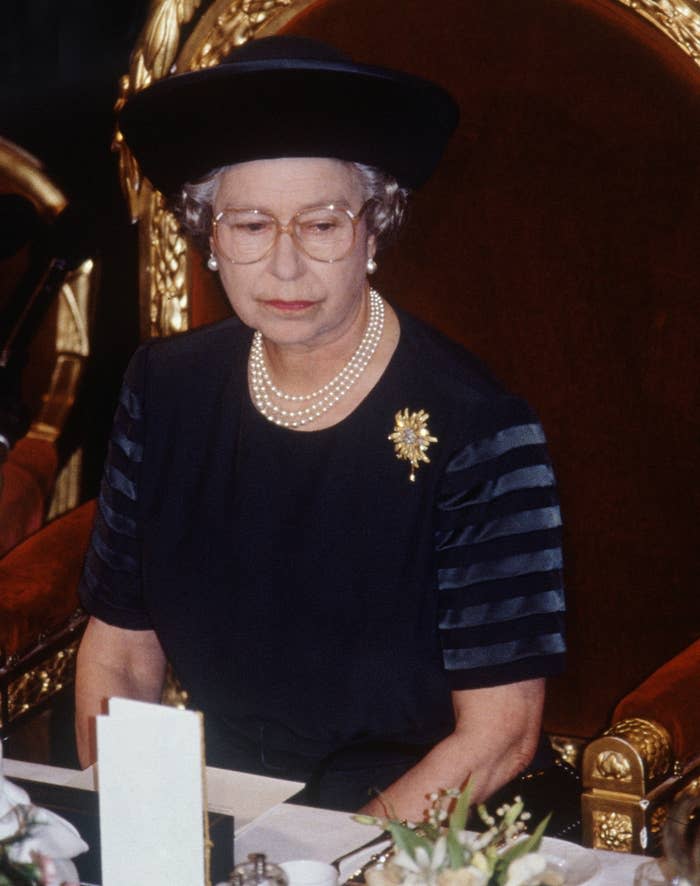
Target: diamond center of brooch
411 438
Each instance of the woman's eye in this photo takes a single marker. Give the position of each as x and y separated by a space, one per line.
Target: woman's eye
319 226
252 227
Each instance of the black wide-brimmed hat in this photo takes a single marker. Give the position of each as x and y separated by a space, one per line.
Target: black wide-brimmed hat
287 97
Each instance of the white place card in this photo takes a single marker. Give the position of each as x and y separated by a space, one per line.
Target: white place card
151 787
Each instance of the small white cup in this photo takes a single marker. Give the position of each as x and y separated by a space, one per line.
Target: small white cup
306 872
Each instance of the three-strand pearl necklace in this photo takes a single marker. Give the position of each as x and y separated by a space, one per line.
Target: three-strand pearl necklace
318 402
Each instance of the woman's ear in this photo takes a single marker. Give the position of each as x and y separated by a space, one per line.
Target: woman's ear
212 262
371 246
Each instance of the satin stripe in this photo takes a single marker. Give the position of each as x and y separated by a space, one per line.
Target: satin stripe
510 524
505 567
131 448
491 447
521 586
502 653
131 402
120 482
534 477
503 610
117 560
120 523
91 585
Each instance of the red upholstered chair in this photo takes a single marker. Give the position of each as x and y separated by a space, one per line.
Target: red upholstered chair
39 622
40 618
650 755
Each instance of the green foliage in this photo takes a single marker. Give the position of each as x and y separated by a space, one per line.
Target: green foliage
440 842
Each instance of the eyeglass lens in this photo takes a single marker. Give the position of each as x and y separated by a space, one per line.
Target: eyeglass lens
247 235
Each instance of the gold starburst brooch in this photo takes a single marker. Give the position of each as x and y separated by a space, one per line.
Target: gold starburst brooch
411 438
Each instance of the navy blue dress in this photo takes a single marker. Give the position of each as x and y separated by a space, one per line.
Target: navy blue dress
317 605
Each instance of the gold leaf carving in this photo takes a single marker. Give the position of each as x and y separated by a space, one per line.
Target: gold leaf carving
613 831
158 44
237 24
151 59
612 765
38 684
657 820
678 19
567 748
652 742
169 280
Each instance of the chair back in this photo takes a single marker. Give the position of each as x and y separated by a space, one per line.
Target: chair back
45 313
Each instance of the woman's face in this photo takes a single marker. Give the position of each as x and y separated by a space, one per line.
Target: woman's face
294 300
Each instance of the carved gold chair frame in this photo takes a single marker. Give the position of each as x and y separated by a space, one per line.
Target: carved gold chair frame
630 778
32 677
617 809
25 175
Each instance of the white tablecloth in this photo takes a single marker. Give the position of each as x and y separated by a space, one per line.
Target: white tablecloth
288 832
285 832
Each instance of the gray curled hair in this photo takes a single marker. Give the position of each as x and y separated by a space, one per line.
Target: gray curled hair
384 215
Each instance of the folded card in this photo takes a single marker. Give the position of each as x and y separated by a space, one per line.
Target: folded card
152 803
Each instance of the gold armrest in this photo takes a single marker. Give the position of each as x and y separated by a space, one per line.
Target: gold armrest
630 777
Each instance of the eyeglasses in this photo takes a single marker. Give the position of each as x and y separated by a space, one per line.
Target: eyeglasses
324 233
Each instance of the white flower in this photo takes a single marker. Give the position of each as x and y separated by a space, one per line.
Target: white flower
469 876
439 854
526 870
403 860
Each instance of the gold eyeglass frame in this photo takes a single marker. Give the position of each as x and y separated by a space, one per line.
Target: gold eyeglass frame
289 228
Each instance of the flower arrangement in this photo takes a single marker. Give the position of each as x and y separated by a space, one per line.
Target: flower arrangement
36 845
14 869
440 852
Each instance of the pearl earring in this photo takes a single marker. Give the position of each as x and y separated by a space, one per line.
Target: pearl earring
371 265
212 263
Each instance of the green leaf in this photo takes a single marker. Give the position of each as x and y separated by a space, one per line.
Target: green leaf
455 850
458 819
407 839
513 813
361 818
530 844
500 873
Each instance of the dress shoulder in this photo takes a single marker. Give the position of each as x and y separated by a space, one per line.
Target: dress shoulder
497 536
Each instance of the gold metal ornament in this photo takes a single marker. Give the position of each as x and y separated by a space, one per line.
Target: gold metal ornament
411 438
613 831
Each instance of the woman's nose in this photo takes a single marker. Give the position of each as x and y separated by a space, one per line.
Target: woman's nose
286 259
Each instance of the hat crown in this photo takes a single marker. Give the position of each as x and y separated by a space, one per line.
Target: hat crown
287 96
284 46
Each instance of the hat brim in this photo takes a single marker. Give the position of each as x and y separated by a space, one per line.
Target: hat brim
182 127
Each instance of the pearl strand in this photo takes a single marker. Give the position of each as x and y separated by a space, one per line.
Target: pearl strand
323 399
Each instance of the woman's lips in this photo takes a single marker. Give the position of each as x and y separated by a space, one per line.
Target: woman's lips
291 306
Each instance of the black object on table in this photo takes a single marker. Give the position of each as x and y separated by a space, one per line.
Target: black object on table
81 809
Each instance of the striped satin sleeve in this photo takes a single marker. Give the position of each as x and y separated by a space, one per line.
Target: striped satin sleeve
499 557
110 587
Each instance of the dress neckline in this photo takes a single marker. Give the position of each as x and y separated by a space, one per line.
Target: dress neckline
346 421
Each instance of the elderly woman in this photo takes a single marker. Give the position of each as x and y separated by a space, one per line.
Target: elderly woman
341 532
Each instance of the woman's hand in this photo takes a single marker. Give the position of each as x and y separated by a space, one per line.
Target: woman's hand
113 661
495 737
